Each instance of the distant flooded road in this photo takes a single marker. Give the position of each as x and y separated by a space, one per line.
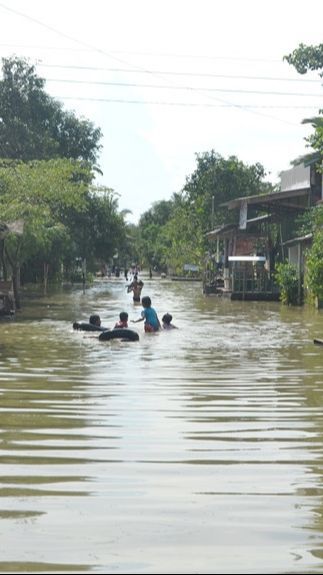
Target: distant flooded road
197 450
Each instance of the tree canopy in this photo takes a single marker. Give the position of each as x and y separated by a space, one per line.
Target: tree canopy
305 59
172 233
34 126
64 217
47 166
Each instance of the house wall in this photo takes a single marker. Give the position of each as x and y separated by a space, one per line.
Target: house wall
245 245
293 255
296 252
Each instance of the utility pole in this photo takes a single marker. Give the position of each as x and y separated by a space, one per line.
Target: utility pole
212 213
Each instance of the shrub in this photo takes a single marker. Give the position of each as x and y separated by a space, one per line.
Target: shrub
287 278
314 266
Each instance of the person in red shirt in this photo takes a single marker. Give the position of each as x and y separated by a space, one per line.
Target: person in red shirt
123 320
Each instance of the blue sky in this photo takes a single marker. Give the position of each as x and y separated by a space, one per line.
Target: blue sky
165 80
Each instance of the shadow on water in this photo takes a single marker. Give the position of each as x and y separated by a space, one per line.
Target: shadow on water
197 450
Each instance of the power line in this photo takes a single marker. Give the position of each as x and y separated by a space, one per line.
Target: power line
171 87
184 104
172 73
100 51
63 34
133 52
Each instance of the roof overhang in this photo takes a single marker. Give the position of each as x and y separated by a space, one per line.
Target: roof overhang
299 240
266 200
224 230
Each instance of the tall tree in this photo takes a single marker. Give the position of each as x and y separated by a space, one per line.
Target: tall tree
33 125
40 194
217 180
305 59
63 216
152 240
173 233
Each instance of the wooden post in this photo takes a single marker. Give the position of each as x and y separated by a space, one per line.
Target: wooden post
84 273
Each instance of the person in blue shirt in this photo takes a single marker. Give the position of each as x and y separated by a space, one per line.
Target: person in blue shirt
148 315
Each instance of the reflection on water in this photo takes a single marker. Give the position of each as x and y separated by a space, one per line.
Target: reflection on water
31 567
192 451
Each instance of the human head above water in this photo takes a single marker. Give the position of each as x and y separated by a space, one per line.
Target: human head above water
146 301
123 316
95 319
167 318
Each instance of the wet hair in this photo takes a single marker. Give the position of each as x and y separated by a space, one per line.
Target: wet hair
123 316
95 319
146 301
167 318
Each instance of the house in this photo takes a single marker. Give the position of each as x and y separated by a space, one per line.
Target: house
265 227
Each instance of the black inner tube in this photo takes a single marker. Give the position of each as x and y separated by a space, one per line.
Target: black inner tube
119 333
85 326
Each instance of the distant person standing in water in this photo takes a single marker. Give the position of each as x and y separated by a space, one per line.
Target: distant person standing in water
136 287
149 315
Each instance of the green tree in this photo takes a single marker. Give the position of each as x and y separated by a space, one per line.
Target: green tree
217 180
199 207
64 216
40 193
173 233
312 223
314 267
33 125
185 237
152 238
105 227
305 59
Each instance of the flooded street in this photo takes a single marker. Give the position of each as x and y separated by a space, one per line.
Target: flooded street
197 450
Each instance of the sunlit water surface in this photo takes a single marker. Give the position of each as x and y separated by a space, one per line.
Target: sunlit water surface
197 450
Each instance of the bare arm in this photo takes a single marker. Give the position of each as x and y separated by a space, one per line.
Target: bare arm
136 320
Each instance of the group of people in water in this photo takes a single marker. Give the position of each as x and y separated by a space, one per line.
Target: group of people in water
148 314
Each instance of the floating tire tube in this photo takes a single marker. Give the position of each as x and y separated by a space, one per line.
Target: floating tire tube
119 333
85 326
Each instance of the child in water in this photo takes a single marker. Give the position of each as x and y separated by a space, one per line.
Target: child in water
150 316
95 319
123 320
167 321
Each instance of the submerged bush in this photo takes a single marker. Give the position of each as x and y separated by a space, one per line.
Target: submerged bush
287 278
